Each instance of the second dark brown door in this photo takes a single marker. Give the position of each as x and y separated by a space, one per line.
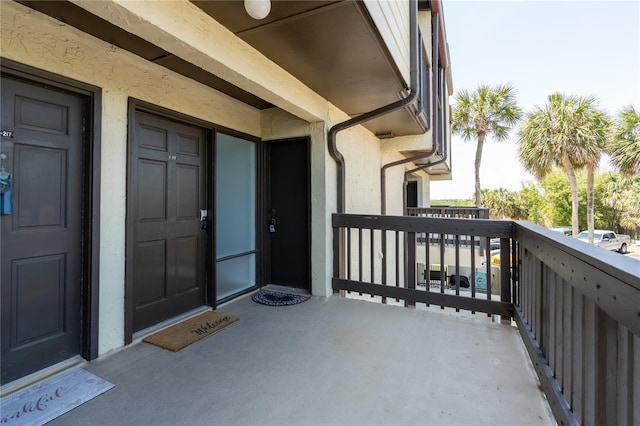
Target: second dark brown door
167 192
289 213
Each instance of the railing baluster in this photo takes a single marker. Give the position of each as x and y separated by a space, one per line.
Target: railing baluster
457 266
515 270
442 271
410 263
505 272
606 368
488 267
397 261
635 382
427 265
587 416
337 252
558 332
567 299
550 336
360 255
577 384
371 256
348 230
473 268
383 242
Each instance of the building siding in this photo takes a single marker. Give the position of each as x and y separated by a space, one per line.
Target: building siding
34 39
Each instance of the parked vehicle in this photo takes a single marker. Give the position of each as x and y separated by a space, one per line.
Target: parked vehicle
495 257
607 239
566 230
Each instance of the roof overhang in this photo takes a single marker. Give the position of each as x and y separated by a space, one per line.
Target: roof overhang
333 47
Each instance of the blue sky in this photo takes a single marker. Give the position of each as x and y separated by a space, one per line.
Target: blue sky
575 47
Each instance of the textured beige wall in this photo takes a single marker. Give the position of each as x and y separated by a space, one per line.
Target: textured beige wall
180 27
34 39
278 124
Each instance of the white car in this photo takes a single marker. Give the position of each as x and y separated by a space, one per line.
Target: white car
607 239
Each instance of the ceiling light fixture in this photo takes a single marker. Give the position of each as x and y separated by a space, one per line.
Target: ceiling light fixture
257 9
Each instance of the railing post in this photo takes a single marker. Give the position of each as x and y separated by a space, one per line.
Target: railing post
606 370
411 264
338 264
505 274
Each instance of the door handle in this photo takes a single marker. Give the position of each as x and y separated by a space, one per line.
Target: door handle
203 219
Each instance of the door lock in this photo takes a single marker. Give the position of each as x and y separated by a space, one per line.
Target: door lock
203 220
272 226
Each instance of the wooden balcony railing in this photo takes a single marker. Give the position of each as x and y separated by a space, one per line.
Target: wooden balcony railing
459 212
577 307
578 311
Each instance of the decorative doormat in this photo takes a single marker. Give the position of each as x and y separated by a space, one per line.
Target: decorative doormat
276 298
46 400
190 331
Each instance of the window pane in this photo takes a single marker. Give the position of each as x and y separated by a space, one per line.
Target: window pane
235 275
235 196
235 215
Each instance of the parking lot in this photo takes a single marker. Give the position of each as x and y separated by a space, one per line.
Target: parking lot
634 251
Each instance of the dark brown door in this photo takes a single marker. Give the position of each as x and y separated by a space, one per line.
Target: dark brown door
289 213
167 193
41 238
412 193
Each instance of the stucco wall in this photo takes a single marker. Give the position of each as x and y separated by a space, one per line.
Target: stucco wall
278 124
181 28
31 38
34 39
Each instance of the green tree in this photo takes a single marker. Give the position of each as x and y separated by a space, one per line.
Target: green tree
620 197
609 190
567 133
488 111
624 143
592 136
556 193
533 202
504 204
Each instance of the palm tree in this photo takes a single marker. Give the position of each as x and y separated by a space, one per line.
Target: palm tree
487 111
504 204
569 132
624 144
593 138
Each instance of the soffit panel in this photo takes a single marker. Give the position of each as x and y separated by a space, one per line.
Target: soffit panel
85 21
330 46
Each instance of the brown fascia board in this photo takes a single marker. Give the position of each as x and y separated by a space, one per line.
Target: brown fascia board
436 6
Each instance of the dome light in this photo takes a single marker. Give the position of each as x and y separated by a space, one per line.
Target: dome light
258 9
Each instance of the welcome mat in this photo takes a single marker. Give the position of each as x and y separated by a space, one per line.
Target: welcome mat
46 400
276 298
190 331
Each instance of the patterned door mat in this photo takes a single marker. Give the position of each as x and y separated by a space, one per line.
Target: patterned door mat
190 331
51 398
276 298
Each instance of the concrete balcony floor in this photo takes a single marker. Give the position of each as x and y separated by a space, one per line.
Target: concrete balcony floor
326 361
